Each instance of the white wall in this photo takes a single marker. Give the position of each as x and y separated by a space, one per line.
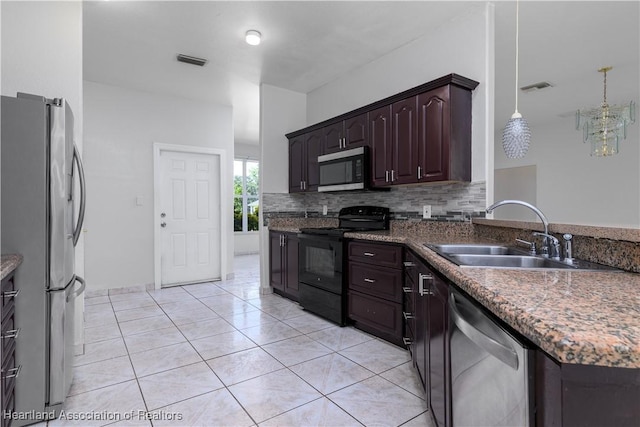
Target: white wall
281 111
246 243
121 126
575 188
462 46
42 54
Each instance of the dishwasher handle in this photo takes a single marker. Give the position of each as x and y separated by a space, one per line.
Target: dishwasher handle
505 354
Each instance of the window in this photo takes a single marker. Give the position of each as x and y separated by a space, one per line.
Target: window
246 175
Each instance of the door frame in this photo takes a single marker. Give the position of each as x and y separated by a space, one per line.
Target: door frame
158 148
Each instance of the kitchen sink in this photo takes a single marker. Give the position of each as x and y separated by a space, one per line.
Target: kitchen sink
475 249
501 256
507 261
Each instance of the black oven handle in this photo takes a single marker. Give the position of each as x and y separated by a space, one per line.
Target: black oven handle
323 237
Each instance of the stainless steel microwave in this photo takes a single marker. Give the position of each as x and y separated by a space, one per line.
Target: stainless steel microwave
344 170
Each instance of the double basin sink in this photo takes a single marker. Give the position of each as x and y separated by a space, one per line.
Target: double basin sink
499 256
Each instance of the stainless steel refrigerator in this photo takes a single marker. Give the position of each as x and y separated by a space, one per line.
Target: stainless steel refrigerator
42 180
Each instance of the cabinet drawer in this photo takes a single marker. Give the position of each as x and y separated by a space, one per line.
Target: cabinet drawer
376 254
377 316
9 373
9 334
8 405
381 282
410 266
8 295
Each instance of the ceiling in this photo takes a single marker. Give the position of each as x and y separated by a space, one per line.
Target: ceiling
307 44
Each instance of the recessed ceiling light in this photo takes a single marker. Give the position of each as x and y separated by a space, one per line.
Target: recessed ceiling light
253 37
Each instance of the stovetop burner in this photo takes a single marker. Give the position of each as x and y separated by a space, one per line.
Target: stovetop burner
355 218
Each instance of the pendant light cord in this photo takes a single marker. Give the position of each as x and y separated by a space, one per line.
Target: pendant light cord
517 43
605 87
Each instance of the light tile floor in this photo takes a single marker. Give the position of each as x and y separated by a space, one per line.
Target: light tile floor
220 354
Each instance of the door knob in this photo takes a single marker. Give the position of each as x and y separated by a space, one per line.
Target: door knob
163 224
162 215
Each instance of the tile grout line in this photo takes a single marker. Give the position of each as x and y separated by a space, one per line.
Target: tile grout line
243 293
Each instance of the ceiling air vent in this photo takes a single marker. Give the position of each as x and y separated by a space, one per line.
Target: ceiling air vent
191 60
536 86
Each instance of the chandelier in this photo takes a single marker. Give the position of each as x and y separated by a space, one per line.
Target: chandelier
604 125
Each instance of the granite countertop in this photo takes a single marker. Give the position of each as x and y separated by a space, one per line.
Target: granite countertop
578 317
589 318
8 263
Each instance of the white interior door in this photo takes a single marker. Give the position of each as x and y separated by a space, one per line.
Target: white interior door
190 219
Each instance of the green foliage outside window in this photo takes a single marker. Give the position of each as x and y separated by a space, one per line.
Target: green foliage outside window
246 195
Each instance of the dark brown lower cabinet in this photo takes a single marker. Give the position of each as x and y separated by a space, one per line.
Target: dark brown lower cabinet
283 262
585 395
429 335
375 289
9 334
566 395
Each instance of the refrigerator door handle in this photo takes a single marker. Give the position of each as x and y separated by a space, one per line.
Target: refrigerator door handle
78 292
78 228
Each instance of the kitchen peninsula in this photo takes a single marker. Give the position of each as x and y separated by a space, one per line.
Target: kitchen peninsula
585 324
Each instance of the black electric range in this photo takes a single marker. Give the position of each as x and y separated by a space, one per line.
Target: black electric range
322 260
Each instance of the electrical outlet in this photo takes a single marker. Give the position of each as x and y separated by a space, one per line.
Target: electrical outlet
324 209
426 211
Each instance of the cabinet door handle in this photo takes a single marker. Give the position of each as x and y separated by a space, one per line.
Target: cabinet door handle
13 333
421 288
407 341
392 175
12 373
386 176
408 316
369 254
369 280
409 264
419 173
10 294
406 290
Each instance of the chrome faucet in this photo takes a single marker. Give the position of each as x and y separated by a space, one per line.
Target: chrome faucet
553 245
550 245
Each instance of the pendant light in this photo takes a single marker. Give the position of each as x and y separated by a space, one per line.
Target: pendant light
516 135
605 125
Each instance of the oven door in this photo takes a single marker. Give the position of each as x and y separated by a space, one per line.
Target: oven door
320 262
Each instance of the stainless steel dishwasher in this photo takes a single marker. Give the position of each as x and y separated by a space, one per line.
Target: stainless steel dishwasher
491 370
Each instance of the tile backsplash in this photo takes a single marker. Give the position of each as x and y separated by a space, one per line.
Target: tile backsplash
449 201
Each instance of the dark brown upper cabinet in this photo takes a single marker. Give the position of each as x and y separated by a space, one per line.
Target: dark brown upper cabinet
420 135
381 146
345 134
393 133
444 135
303 162
404 141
